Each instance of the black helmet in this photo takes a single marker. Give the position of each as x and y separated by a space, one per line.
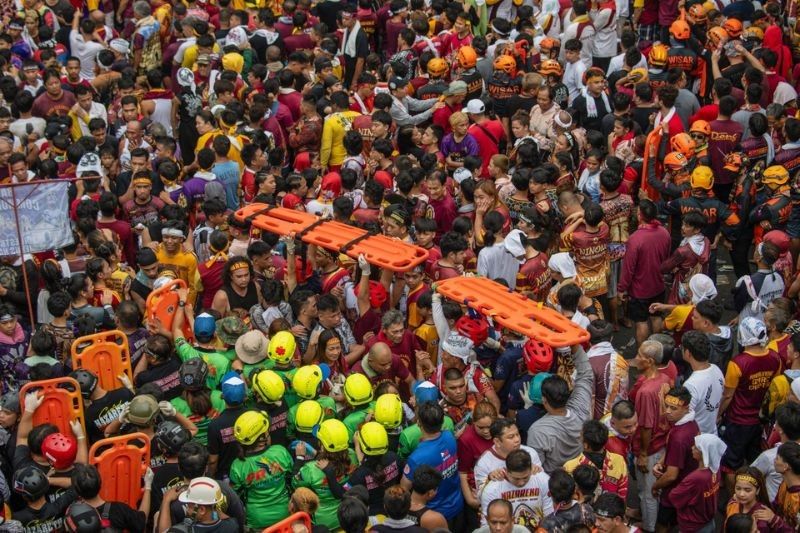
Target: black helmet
82 518
10 401
193 374
87 381
30 482
171 436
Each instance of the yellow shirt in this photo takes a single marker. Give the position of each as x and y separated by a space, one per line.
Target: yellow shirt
427 334
184 265
332 152
190 55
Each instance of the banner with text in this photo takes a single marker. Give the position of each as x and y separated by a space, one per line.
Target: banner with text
43 214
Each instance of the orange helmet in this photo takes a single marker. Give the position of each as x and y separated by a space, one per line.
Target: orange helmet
683 143
466 57
701 126
548 44
753 33
675 161
506 63
733 161
437 67
733 27
697 14
680 30
551 66
658 55
717 36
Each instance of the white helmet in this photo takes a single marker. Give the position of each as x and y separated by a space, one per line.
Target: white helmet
202 491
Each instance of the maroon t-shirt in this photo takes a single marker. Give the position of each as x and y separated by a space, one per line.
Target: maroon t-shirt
393 30
397 374
444 213
696 498
725 138
405 349
368 322
755 375
470 448
678 454
648 396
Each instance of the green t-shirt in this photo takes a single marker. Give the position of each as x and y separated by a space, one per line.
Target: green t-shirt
312 477
218 363
354 420
217 406
328 411
290 396
260 481
409 437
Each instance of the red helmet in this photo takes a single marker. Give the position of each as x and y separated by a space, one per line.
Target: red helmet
60 450
538 356
779 239
475 329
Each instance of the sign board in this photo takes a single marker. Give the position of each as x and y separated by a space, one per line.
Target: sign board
43 214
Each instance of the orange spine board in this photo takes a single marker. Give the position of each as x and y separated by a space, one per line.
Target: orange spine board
106 354
62 403
514 311
379 250
286 525
122 462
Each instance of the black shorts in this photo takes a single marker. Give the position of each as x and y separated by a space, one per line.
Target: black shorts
639 309
744 444
667 516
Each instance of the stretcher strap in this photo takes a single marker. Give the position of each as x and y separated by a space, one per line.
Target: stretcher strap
302 233
349 244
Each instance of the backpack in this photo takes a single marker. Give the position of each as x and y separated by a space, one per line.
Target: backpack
105 521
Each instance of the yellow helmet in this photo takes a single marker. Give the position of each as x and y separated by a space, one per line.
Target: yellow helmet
281 347
389 410
658 56
269 386
775 175
250 426
437 67
357 390
373 439
702 178
753 33
309 415
333 435
306 381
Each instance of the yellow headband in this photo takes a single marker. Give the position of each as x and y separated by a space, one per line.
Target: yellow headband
673 401
747 478
240 264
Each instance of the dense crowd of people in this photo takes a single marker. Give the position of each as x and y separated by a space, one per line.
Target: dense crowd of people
616 162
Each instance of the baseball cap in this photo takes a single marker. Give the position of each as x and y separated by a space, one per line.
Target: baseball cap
234 390
214 191
456 87
397 83
204 327
203 59
475 107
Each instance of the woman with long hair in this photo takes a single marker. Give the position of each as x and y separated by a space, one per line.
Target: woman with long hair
409 141
487 199
749 495
475 440
494 261
329 351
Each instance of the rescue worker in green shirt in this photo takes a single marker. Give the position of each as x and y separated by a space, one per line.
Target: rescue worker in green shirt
389 414
358 394
308 418
251 354
281 351
197 402
269 390
306 384
261 476
329 471
424 391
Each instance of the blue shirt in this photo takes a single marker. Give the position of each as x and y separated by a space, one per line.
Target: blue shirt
441 453
228 174
509 366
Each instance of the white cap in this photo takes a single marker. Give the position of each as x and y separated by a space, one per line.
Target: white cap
461 174
475 107
458 346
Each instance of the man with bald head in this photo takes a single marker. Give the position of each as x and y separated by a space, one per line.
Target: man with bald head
380 364
130 141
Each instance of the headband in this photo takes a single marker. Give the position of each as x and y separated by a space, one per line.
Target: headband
525 219
142 181
743 477
570 137
6 318
673 401
240 264
398 217
172 232
605 514
557 120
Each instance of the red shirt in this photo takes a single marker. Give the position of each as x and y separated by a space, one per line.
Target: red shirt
397 374
678 454
439 272
750 375
534 276
647 248
488 134
405 349
470 448
441 117
126 237
648 397
695 498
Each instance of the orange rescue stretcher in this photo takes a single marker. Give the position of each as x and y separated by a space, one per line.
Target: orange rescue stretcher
122 462
286 525
62 403
104 354
162 303
379 250
514 311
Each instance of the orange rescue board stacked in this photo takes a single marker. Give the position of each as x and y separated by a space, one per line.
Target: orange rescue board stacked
62 403
379 250
106 355
163 302
514 311
122 462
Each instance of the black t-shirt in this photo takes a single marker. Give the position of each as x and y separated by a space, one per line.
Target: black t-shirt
641 115
227 525
278 423
392 468
122 516
165 477
734 74
518 101
166 376
103 411
22 457
49 518
123 181
221 440
141 289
